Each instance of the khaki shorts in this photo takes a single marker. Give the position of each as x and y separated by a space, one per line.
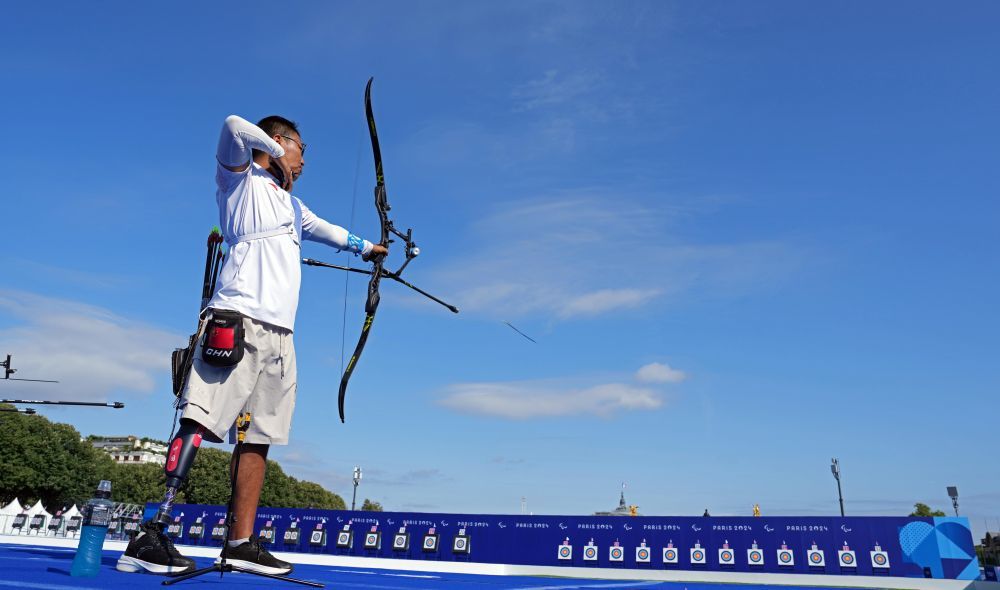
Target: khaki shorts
263 383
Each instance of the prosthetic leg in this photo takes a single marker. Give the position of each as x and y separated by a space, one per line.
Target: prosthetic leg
180 458
242 425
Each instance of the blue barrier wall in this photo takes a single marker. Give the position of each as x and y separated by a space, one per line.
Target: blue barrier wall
913 547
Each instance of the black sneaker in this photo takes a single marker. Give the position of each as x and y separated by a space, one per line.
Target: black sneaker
154 552
253 557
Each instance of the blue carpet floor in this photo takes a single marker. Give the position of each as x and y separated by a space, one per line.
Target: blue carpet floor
46 568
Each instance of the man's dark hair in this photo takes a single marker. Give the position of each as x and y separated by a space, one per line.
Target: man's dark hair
276 125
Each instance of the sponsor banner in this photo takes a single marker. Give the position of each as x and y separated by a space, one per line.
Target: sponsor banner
529 540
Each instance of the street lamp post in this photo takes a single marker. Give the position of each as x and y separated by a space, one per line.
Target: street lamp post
357 480
953 494
835 469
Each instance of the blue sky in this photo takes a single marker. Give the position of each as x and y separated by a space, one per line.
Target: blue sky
747 237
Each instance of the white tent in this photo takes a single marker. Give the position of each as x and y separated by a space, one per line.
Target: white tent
7 514
13 508
38 509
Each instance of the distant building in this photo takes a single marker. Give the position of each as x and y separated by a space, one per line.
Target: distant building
622 510
131 450
137 457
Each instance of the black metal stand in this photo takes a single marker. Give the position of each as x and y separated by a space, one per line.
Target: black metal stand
242 424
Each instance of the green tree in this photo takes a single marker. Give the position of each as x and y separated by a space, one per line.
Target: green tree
46 461
313 495
208 483
137 484
208 480
920 509
371 505
278 490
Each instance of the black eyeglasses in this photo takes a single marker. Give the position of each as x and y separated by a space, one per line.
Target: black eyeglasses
302 146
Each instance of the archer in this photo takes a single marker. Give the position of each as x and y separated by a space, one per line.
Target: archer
246 361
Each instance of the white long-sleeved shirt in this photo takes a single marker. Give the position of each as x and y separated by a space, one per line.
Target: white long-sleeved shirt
261 276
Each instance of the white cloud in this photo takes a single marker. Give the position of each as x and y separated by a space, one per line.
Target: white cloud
593 253
659 373
411 477
524 400
93 352
554 88
604 300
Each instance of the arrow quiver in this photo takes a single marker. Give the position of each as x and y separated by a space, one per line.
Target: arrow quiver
182 358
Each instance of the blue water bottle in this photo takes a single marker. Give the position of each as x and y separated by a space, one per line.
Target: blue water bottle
96 516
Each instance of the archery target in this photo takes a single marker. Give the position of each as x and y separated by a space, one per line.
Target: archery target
642 554
590 553
880 559
343 538
460 544
697 555
372 540
401 541
786 557
316 538
565 552
670 555
755 557
816 557
616 554
430 542
847 559
726 557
